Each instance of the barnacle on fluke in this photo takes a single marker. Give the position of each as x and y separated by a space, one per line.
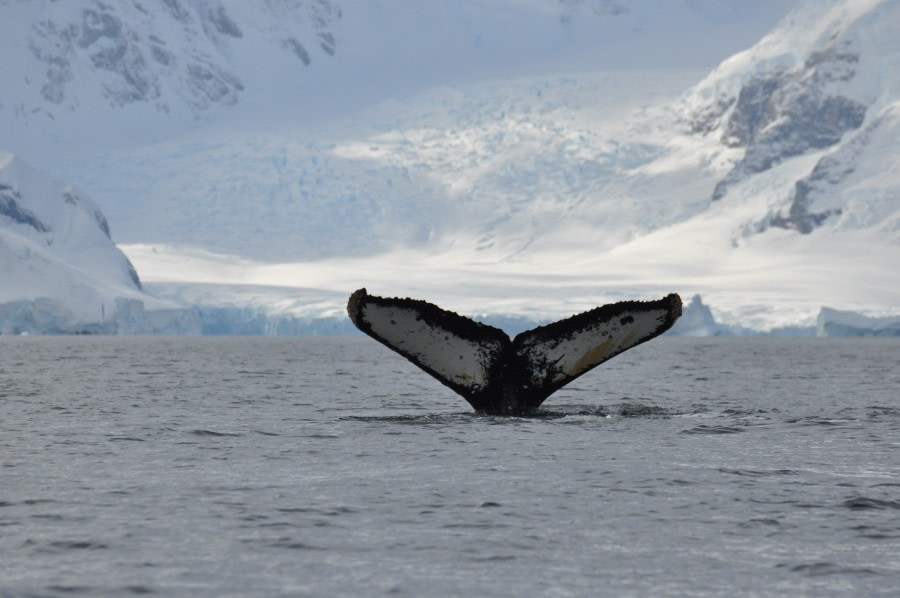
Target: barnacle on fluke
497 375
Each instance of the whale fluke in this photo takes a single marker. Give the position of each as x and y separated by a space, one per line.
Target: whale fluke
497 375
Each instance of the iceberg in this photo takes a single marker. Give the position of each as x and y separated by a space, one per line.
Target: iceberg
833 322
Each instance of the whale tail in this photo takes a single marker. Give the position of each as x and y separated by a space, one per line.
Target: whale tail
497 375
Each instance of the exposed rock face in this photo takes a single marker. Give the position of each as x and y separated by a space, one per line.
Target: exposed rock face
832 170
145 52
10 206
787 113
800 217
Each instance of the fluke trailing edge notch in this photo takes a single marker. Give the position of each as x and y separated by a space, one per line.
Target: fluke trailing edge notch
499 376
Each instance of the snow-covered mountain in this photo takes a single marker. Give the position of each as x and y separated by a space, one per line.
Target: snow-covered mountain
93 74
824 87
60 272
515 158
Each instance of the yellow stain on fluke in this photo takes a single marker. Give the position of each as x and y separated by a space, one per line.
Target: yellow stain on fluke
590 357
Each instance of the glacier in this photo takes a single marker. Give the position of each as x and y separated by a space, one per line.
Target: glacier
517 174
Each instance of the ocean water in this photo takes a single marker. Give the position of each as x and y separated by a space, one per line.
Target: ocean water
331 466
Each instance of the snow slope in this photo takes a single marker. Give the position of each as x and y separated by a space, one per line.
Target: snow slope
60 270
481 165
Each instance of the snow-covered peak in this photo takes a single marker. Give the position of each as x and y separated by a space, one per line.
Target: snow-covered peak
815 32
59 270
822 50
47 209
823 87
59 220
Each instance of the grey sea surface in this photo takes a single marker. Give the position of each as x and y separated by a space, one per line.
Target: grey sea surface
331 466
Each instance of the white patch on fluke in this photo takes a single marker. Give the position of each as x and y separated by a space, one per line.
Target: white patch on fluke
453 357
